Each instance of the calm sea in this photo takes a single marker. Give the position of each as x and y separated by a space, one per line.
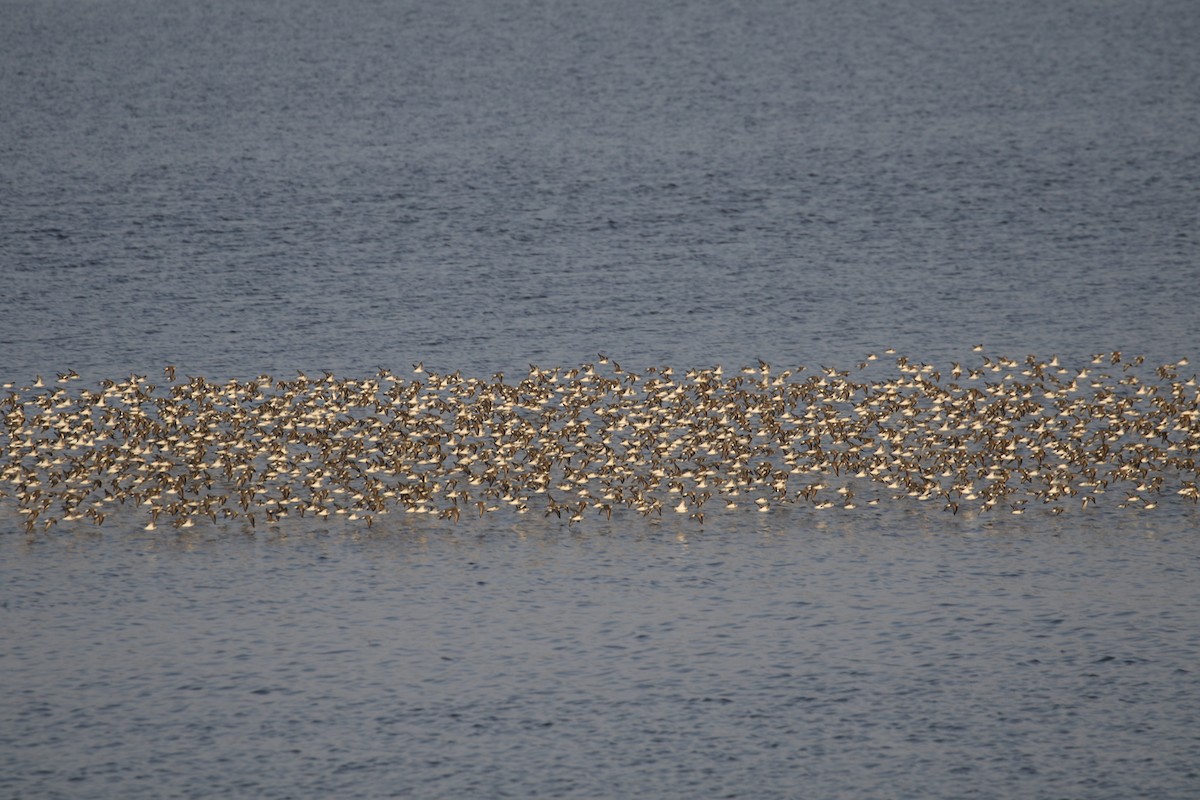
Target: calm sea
267 186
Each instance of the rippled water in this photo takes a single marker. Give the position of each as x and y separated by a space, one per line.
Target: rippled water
265 187
838 659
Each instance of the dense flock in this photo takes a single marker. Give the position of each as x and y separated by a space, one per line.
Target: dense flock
995 435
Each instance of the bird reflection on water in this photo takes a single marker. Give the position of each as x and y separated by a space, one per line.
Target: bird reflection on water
1005 434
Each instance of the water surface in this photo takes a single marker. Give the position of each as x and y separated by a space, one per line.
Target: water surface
772 660
240 188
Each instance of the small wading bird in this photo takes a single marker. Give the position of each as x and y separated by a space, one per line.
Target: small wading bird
1023 434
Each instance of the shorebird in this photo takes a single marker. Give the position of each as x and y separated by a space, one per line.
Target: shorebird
1019 431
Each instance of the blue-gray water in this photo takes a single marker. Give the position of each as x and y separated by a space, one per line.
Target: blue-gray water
253 186
240 188
832 660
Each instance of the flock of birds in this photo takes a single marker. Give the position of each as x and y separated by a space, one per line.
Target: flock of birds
1006 435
